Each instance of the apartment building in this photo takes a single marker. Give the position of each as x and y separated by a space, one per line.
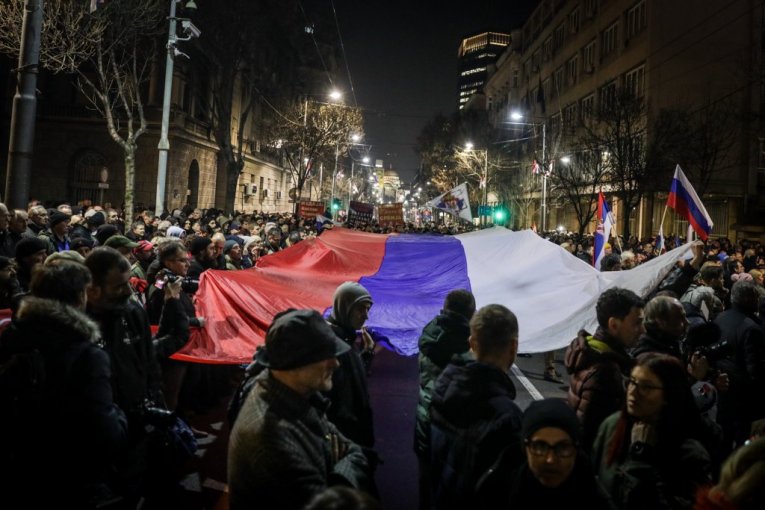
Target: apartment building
475 55
571 56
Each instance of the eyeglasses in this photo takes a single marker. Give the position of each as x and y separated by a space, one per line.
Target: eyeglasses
642 387
562 450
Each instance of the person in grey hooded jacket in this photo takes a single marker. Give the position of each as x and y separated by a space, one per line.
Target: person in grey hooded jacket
351 410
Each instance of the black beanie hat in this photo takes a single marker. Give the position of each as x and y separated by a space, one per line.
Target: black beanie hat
97 219
57 217
198 245
550 412
29 246
104 232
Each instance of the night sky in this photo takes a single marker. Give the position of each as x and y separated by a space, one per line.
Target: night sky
403 63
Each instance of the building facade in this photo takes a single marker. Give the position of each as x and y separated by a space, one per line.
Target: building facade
571 56
475 55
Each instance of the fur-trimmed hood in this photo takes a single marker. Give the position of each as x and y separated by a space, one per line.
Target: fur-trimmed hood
42 317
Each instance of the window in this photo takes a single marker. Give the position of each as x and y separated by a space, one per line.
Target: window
634 81
558 84
586 106
636 19
547 49
555 124
608 40
588 57
590 8
546 88
607 96
570 118
536 58
572 69
573 21
558 36
516 74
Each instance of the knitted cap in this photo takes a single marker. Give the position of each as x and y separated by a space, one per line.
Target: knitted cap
550 412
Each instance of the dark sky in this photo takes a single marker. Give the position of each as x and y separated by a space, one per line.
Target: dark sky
403 63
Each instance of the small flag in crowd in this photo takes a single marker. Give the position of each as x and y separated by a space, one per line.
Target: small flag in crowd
684 200
605 223
535 167
454 202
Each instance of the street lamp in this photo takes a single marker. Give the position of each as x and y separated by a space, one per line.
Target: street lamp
469 147
191 32
516 117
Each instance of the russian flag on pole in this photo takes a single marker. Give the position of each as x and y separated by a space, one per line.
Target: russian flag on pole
605 223
684 200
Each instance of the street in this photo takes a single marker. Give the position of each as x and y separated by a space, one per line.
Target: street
393 387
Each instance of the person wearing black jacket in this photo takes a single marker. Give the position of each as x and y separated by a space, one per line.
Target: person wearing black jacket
69 394
126 337
473 414
351 409
441 339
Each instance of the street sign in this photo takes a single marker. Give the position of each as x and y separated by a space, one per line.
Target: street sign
103 185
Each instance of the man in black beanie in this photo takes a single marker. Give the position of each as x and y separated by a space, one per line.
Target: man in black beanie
30 251
104 232
57 235
557 471
203 252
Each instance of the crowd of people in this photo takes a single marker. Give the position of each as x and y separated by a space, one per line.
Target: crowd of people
664 406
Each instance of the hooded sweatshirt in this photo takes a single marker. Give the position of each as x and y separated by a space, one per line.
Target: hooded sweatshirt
351 410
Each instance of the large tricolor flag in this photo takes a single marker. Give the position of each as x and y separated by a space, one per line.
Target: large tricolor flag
408 276
684 200
603 231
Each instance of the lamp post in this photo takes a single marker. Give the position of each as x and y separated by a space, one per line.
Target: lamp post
164 144
516 116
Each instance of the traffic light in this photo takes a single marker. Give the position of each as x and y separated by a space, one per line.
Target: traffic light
501 214
335 204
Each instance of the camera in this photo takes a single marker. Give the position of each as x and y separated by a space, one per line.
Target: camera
164 278
706 339
715 351
190 29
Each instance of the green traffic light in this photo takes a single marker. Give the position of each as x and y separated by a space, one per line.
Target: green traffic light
499 215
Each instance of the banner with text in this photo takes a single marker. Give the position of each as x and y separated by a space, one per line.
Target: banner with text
390 214
308 209
359 213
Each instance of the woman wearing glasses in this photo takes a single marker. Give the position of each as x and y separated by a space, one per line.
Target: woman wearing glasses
648 455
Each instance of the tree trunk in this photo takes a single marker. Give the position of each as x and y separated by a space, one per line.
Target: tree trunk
129 152
233 171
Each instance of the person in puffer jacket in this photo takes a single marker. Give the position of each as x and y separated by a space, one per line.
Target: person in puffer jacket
442 338
598 363
474 418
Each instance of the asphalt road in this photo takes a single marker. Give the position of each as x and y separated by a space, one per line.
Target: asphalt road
393 388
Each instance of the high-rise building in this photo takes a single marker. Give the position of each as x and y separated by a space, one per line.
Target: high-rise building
476 54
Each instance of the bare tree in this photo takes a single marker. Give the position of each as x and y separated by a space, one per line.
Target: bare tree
578 181
109 51
618 129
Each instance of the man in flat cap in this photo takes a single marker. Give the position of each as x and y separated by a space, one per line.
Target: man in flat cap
282 449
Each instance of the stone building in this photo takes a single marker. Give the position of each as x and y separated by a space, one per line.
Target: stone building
668 52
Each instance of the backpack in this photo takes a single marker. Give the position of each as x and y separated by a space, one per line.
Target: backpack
240 395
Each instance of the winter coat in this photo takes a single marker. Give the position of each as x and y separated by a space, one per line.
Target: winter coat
473 420
645 477
598 365
526 493
126 336
443 337
657 341
351 409
279 452
71 414
744 362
